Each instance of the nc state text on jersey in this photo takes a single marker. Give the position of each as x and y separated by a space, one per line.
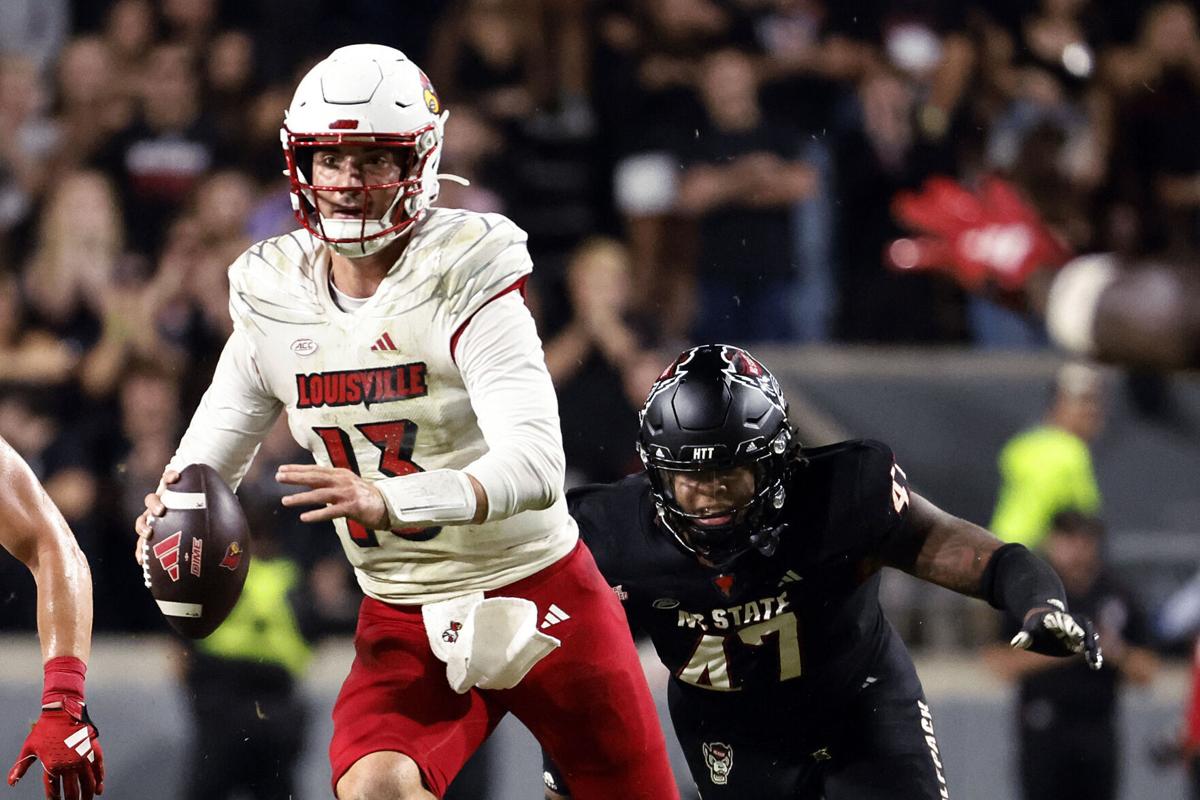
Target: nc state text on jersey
367 386
736 616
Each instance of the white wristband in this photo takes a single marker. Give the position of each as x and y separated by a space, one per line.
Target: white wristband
439 496
1071 304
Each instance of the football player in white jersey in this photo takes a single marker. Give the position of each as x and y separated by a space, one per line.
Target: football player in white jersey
63 739
395 336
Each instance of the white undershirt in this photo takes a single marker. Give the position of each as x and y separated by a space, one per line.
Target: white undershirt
342 300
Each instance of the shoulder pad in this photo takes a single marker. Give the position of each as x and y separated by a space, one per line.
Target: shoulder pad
478 256
273 280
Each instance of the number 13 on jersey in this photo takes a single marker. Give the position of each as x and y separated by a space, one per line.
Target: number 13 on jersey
395 441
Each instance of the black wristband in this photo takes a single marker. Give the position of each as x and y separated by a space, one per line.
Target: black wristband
1015 580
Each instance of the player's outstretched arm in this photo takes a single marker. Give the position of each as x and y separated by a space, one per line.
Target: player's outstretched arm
990 240
941 548
34 531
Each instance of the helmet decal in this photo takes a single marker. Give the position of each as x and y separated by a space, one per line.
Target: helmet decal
745 368
431 98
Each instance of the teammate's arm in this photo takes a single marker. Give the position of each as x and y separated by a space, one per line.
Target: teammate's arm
34 531
941 548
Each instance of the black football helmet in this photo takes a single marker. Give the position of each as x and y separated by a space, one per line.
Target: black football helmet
717 408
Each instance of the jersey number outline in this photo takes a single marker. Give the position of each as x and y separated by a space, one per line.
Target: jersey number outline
708 667
395 441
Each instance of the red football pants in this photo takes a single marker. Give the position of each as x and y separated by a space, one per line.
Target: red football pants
587 702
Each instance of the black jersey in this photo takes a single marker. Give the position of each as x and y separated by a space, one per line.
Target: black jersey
804 624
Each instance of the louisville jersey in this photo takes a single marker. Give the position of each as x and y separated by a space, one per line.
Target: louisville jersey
805 622
377 390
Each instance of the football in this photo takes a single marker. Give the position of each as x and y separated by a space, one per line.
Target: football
196 560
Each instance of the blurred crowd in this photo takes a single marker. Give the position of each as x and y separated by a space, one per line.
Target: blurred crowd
686 169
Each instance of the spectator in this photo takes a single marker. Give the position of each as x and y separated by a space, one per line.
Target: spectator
740 183
91 104
130 29
878 152
1067 713
474 150
164 154
229 72
488 54
587 360
1048 469
35 29
29 356
80 241
191 22
1155 161
29 140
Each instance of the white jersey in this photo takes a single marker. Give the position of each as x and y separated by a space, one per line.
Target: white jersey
398 385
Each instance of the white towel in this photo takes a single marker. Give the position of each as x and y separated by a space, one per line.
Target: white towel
491 644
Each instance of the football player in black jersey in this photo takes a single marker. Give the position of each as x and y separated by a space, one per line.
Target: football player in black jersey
753 565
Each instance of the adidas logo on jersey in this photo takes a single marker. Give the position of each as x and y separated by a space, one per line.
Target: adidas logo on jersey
384 342
81 743
789 577
554 616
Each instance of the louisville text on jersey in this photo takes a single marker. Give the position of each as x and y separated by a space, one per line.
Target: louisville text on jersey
366 386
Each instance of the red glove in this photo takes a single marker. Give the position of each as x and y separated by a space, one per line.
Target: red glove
990 237
63 738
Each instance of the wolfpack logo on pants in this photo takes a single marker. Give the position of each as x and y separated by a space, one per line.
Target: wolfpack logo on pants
719 758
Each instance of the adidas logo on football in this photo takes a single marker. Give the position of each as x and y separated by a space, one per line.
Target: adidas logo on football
554 616
167 553
384 342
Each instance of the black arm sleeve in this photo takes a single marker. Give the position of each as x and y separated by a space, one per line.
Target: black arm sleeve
1015 580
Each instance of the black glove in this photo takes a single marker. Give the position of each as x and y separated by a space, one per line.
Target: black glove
1053 631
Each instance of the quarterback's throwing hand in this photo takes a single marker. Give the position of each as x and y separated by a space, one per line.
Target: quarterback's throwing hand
66 743
340 491
144 524
1053 631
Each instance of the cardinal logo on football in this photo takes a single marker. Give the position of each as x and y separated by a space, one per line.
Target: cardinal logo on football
233 557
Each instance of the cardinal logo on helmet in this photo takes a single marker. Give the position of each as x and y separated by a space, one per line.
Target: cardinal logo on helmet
431 99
